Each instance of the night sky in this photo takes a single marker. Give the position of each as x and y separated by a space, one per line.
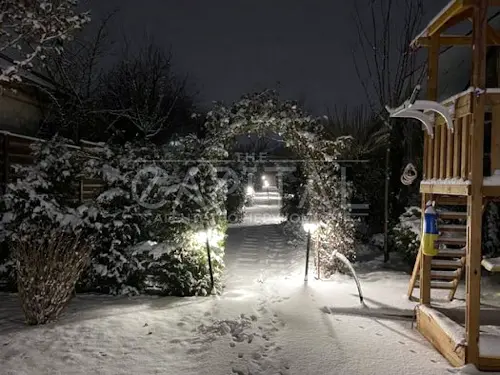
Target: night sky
229 47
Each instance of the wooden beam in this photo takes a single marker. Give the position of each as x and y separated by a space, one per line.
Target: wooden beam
495 138
457 40
457 142
446 40
432 94
442 151
449 153
432 331
489 364
452 189
492 36
453 10
475 200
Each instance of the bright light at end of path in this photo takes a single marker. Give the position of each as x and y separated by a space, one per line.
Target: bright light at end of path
310 227
266 183
263 178
250 190
213 237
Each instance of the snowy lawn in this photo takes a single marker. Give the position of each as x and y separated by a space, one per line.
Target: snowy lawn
267 322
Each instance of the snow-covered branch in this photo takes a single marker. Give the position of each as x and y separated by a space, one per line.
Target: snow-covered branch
32 29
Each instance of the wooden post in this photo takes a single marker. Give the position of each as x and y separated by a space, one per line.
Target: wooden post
432 93
442 151
495 138
425 168
430 156
456 147
437 151
475 200
449 153
464 171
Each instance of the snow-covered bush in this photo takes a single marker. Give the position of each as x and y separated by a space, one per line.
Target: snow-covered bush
48 268
152 194
294 203
49 235
404 237
491 230
119 218
180 267
234 177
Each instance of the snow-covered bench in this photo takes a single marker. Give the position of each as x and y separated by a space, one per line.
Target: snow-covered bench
491 264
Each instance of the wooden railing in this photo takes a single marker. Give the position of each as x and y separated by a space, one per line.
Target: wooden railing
448 153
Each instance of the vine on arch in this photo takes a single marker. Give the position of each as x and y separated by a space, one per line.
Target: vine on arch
327 193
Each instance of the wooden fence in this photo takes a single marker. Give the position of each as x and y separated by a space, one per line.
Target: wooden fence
16 149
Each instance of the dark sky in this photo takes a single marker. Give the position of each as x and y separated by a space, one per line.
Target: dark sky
229 47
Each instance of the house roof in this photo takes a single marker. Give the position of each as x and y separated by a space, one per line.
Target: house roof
455 63
31 76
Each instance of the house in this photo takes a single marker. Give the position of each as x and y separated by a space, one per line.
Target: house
21 105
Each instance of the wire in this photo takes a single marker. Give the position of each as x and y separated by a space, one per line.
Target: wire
409 175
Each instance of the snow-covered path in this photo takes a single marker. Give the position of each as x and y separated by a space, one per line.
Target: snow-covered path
267 322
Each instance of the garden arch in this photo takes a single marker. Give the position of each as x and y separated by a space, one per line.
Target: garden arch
264 113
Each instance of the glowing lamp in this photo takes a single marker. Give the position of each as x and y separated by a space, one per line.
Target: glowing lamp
266 183
250 190
310 227
213 237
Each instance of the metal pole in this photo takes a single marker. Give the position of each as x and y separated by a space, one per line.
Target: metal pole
307 253
316 246
386 205
209 256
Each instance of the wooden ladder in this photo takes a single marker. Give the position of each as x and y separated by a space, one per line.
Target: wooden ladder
447 267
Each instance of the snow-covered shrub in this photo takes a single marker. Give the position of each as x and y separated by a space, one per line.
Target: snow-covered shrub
294 203
119 218
491 230
151 194
41 219
180 267
404 237
48 268
234 177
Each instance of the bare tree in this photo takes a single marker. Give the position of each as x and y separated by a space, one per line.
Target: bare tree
387 69
386 65
142 95
77 73
30 29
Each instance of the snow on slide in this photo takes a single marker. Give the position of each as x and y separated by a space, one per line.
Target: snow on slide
267 322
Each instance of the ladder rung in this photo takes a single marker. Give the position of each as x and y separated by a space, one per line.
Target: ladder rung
452 228
438 284
452 253
446 275
452 215
452 240
447 263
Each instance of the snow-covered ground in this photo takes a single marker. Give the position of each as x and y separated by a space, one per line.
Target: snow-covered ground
267 322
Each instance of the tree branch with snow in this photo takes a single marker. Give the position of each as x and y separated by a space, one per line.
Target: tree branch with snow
32 29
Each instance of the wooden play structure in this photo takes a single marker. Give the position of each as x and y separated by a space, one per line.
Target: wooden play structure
461 173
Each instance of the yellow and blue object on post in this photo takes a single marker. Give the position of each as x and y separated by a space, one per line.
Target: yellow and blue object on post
430 232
